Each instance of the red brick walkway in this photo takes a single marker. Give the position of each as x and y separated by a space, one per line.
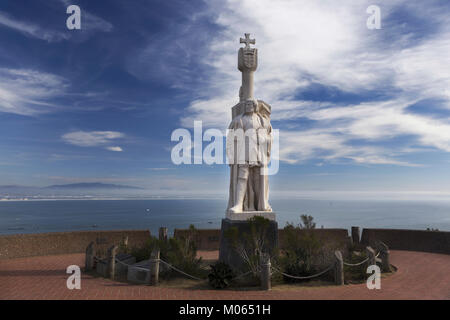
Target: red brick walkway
420 276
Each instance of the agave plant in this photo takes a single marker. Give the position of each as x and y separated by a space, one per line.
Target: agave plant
220 276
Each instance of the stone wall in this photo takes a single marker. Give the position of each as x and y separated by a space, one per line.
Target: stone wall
26 245
207 239
338 237
414 240
40 244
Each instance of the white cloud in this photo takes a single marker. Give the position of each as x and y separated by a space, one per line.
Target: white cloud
327 43
115 149
31 29
27 92
93 138
89 23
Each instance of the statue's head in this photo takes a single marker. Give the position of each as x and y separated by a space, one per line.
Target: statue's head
250 106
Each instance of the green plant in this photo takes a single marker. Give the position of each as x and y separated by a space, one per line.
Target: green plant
220 276
144 252
356 273
301 248
179 252
307 222
182 253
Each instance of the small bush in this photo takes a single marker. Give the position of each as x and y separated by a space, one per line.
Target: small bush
220 276
179 252
303 253
144 252
356 273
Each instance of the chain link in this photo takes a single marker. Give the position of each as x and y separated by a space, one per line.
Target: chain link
306 277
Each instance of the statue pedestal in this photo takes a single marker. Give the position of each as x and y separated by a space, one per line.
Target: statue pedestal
244 216
228 252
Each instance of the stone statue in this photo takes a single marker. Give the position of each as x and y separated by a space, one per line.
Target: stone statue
249 142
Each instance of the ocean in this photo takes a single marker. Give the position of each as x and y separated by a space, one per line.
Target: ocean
71 215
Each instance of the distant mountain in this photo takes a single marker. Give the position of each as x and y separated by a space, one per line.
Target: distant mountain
12 187
90 186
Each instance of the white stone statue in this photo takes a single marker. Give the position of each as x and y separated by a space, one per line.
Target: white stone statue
249 143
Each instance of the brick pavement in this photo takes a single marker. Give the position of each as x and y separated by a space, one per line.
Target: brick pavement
420 275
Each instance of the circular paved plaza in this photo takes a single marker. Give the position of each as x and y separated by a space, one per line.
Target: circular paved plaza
420 275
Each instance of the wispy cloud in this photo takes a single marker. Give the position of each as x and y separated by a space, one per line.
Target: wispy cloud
28 92
90 24
31 30
94 139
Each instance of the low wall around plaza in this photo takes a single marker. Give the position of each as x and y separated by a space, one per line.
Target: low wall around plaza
206 239
412 240
338 237
42 244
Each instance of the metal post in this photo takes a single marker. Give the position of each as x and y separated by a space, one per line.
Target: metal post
384 256
371 255
338 268
163 233
89 260
265 272
355 235
154 267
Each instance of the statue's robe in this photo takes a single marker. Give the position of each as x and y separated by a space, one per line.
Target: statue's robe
252 157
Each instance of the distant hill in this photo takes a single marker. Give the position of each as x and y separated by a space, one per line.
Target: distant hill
95 185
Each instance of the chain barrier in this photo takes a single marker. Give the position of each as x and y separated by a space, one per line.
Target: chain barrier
360 263
182 272
274 270
306 277
136 267
356 264
176 269
241 275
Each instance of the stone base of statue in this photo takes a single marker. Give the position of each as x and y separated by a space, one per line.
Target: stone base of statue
244 216
240 227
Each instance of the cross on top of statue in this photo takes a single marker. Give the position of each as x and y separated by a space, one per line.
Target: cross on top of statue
247 41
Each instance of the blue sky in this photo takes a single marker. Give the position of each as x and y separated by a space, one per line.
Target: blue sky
360 112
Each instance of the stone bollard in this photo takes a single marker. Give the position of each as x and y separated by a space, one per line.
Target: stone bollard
90 254
163 233
265 272
125 242
355 235
154 267
371 255
111 260
338 268
384 256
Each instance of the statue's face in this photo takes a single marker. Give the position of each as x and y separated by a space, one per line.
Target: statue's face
249 107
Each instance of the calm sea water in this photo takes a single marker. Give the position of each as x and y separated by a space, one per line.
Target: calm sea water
54 216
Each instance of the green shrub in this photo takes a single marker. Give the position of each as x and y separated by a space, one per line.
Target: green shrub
182 253
356 273
220 276
144 252
301 249
179 252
